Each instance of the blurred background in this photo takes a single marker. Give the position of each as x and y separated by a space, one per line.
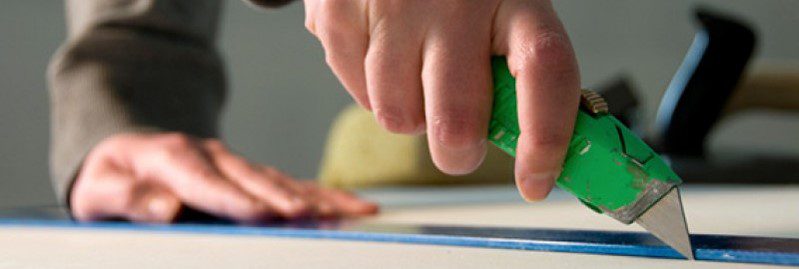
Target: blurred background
283 97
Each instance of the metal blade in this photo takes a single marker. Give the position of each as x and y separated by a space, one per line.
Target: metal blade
666 220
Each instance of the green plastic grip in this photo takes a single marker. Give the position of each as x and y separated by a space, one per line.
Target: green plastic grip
607 167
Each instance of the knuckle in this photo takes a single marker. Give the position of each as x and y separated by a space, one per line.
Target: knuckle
335 46
269 170
96 160
333 60
215 145
175 147
177 140
310 25
549 47
114 143
171 153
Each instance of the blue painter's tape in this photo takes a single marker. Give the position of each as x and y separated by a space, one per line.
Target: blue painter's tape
764 250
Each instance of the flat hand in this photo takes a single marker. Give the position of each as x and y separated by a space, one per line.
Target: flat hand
425 66
150 177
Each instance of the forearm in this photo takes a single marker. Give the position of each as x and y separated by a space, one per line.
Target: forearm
132 66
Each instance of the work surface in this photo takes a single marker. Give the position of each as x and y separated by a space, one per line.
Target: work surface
735 210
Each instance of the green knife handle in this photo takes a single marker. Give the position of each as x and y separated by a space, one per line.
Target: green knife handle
607 167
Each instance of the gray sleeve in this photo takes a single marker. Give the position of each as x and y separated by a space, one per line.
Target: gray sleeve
132 66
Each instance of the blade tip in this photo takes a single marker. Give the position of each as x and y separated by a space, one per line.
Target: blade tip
688 254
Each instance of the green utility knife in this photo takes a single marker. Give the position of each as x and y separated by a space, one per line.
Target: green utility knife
607 167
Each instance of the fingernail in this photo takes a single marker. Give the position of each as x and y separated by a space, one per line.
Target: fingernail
159 206
389 121
478 146
370 208
461 161
536 186
325 210
392 120
298 203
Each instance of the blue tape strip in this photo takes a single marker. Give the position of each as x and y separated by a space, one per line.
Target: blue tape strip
764 250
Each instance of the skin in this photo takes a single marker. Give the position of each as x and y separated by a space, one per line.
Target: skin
424 66
420 66
152 177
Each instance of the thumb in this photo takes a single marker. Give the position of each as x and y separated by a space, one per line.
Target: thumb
152 203
112 195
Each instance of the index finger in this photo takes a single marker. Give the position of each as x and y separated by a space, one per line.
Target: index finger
542 60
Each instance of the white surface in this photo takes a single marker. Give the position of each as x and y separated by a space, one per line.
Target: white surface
769 211
36 248
740 210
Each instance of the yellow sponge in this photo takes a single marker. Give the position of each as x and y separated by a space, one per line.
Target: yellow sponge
360 153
